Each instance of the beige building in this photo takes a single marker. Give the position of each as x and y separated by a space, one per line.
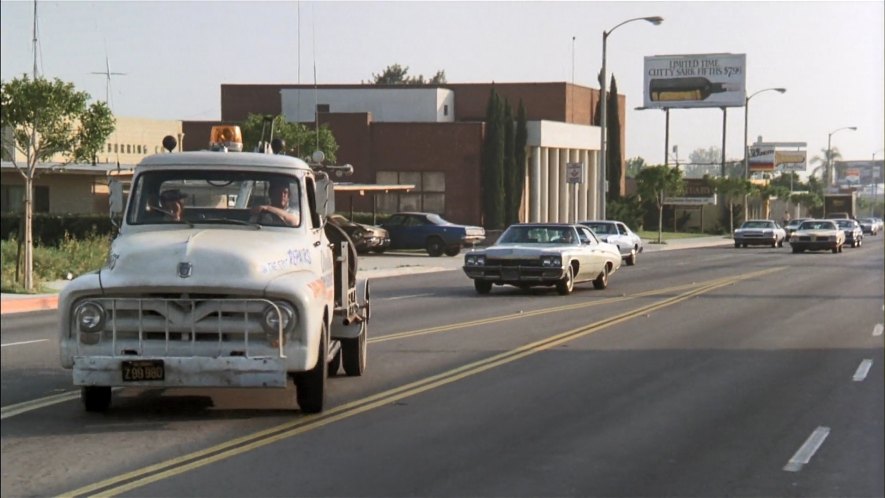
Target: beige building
83 188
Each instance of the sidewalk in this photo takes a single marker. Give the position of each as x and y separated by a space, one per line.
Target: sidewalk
373 266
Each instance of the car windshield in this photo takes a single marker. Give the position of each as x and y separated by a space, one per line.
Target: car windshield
203 196
845 223
817 225
538 235
758 224
601 228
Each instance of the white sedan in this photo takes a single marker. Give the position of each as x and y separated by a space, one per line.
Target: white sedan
543 254
817 235
619 234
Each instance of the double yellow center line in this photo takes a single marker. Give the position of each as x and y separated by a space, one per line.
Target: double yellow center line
176 466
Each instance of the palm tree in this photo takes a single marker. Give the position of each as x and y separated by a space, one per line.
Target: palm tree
827 158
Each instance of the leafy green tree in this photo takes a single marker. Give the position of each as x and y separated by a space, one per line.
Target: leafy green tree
493 163
731 189
634 165
44 120
656 182
299 140
398 75
768 192
824 161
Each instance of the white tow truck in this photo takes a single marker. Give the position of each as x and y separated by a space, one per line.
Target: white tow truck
207 286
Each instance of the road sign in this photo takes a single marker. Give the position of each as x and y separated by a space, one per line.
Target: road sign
574 172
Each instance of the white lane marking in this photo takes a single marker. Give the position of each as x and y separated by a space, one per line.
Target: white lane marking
22 343
877 330
808 449
404 297
862 370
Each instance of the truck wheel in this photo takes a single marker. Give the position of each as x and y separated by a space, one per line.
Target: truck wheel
565 286
354 352
453 250
96 398
310 386
482 287
601 281
435 247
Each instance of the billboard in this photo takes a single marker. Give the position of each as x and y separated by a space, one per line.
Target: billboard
855 173
700 80
782 156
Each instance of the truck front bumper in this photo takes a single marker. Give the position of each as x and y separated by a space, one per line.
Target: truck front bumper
184 372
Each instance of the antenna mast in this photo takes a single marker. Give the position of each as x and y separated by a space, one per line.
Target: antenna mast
35 39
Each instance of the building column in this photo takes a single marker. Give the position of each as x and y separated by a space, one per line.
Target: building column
564 193
582 190
543 197
592 185
553 186
534 182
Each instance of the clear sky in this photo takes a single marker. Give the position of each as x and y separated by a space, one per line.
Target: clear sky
175 55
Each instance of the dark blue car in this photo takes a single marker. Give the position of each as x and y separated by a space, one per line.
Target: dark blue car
430 232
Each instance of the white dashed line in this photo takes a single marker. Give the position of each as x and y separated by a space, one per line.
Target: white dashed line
862 370
877 330
23 343
812 444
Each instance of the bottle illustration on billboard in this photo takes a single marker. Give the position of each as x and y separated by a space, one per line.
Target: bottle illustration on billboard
691 88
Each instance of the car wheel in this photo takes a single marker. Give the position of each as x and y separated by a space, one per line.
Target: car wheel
96 398
835 249
796 250
737 245
310 386
452 251
601 281
781 244
631 259
435 247
482 287
565 286
378 250
354 352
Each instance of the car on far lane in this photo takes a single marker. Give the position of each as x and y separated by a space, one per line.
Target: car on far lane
543 254
853 232
365 238
817 235
759 233
619 234
792 225
429 231
869 225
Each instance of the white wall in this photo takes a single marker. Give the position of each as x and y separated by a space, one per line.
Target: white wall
392 105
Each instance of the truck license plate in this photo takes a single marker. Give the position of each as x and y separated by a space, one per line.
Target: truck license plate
134 371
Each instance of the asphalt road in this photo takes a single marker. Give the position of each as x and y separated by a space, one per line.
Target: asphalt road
698 372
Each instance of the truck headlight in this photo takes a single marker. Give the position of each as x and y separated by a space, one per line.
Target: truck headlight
90 317
282 315
551 261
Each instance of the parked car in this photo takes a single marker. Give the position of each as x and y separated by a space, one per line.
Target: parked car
869 225
431 232
365 238
853 232
792 225
619 234
817 235
543 254
759 232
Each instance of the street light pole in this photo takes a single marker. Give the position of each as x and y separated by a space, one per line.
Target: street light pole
829 171
603 115
746 142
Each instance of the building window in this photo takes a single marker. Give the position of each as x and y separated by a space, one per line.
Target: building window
110 148
129 148
11 197
446 110
322 108
429 194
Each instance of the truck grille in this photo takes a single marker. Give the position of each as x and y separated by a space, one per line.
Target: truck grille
145 326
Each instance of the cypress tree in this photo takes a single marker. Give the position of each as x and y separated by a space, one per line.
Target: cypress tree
519 155
613 154
493 164
510 169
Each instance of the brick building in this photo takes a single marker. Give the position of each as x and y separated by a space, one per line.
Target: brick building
431 137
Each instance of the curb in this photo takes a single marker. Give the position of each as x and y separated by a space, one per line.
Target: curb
23 305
